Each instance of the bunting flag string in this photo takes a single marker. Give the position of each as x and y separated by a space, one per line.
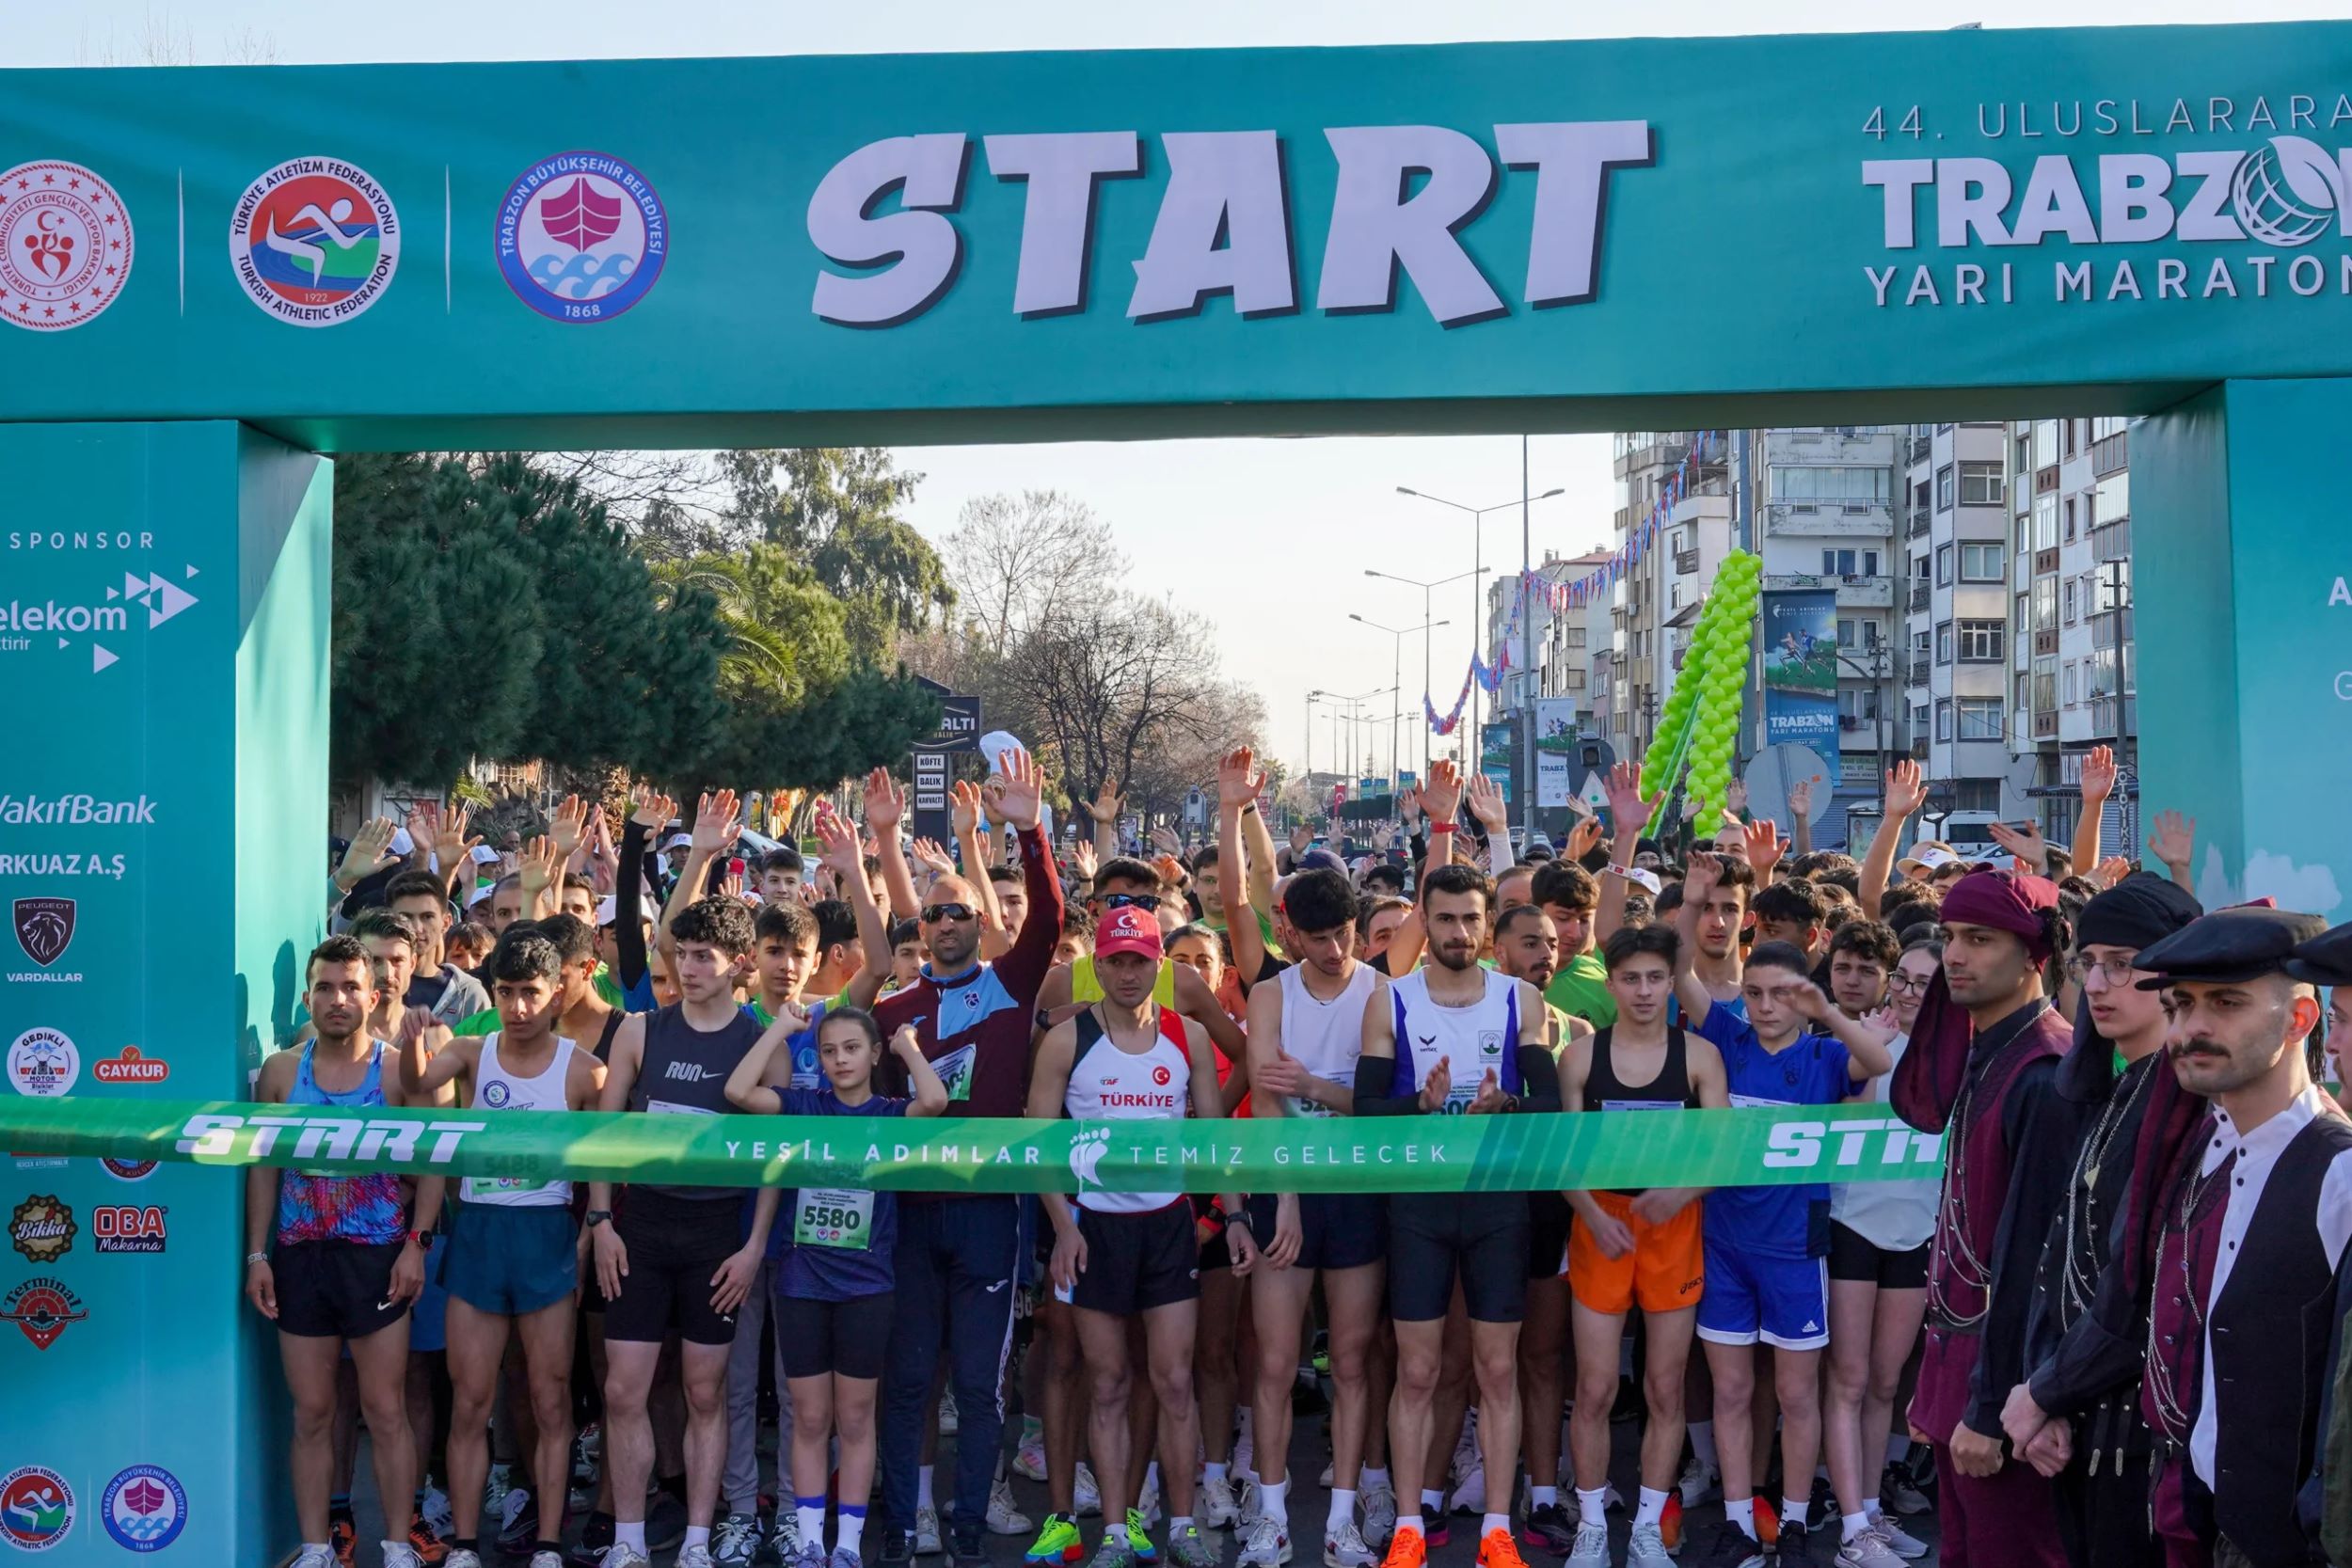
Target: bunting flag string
1563 595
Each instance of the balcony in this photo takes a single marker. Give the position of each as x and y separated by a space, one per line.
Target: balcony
2046 479
1838 444
2045 724
2111 541
1687 563
1829 519
2111 628
1917 674
1918 528
2045 563
1919 596
2114 718
1625 518
1854 592
1657 455
2112 455
1916 449
2045 641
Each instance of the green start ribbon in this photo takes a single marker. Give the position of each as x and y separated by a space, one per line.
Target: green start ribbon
1746 1148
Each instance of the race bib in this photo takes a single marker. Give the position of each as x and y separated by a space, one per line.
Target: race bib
1642 1105
1302 1106
1457 1100
1755 1101
955 1070
834 1217
671 1108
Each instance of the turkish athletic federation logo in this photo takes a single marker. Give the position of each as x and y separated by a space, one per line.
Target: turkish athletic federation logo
144 1508
36 1508
64 245
45 928
581 237
314 241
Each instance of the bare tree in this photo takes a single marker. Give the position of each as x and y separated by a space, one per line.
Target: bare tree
1017 560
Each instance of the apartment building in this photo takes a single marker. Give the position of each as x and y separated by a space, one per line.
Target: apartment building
1653 606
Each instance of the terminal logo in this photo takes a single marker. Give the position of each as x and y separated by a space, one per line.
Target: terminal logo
144 1508
45 928
64 245
43 1308
130 1067
315 240
36 1508
43 1229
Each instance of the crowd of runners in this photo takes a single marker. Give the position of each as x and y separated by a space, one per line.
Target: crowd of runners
2107 1335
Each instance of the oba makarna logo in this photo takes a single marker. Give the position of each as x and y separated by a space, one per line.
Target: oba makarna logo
314 241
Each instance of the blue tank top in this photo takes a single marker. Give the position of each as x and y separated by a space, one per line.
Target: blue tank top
317 1205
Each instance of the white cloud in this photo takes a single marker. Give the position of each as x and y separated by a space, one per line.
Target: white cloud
2310 889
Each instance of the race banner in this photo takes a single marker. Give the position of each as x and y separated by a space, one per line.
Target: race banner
1754 1147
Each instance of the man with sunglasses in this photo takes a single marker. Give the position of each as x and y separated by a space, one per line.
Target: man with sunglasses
957 1257
1125 883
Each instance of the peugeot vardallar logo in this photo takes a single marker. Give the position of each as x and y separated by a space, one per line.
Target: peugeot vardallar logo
45 928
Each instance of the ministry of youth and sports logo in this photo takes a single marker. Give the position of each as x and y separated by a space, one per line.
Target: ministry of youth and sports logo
64 245
314 241
581 237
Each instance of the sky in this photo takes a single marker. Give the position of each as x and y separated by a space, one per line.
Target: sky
1303 518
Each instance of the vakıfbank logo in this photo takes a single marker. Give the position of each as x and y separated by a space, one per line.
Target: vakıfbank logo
2272 191
26 625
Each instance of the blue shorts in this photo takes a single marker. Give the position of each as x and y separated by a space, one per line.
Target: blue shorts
511 1260
426 1331
1750 1295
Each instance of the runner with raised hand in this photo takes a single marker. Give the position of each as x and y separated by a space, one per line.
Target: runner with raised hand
333 1261
957 1257
1458 1040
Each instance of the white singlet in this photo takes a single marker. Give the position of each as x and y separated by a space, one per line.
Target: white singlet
1325 1037
1474 1040
1110 1085
497 1089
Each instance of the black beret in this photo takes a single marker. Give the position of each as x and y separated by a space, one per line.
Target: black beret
2238 944
2326 960
2138 911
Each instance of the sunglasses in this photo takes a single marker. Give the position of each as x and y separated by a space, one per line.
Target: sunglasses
934 913
1125 900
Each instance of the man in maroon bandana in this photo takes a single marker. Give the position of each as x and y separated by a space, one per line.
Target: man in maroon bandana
1982 1067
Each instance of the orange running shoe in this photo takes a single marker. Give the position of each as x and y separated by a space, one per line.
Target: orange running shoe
342 1535
425 1541
1670 1524
1766 1522
1497 1549
1407 1549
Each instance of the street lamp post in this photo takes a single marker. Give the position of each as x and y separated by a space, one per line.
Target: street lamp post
1427 607
1396 673
1478 544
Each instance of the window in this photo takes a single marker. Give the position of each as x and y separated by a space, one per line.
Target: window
2045 683
1837 563
2023 622
1942 565
1944 488
1920 496
2022 463
1576 680
1845 633
2069 597
1576 636
1919 647
1979 642
1980 563
1920 717
1981 484
1976 795
1858 485
1944 722
2066 683
2024 692
1980 718
2069 509
2070 437
2045 523
1869 564
1944 642
1858 702
1919 567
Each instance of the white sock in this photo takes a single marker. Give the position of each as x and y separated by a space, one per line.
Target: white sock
1212 1471
1492 1523
1542 1496
696 1535
1152 1477
1793 1508
1274 1500
1431 1499
1744 1518
630 1534
1703 1444
1178 1524
1342 1510
1408 1523
1898 1448
812 1522
1873 1508
1853 1524
923 1486
1592 1508
848 1531
1373 1477
1652 1508
314 1545
1115 1532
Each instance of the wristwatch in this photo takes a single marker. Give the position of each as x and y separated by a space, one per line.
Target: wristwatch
253 1257
422 1237
595 1217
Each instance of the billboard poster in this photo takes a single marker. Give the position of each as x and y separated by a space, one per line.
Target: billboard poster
1496 753
1801 671
1551 778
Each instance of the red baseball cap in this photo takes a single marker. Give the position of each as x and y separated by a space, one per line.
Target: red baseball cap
1128 929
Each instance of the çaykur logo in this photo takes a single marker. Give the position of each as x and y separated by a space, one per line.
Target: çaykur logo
2270 198
28 625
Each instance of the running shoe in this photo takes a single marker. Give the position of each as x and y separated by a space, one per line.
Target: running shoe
965 1540
1057 1541
1590 1549
1733 1547
1004 1516
1139 1541
1899 1492
809 1555
947 1421
425 1541
1251 1503
1149 1503
343 1539
926 1542
665 1521
1188 1548
1670 1525
1213 1502
1434 1531
1768 1523
844 1557
1549 1528
1028 1460
518 1522
1869 1550
622 1555
436 1512
695 1556
1906 1545
1268 1544
1495 1549
1647 1549
595 1539
736 1541
1088 1496
545 1560
785 1535
1790 1541
1113 1554
317 1557
1699 1484
894 1552
1407 1549
399 1554
1344 1547
460 1558
1468 1471
1378 1504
